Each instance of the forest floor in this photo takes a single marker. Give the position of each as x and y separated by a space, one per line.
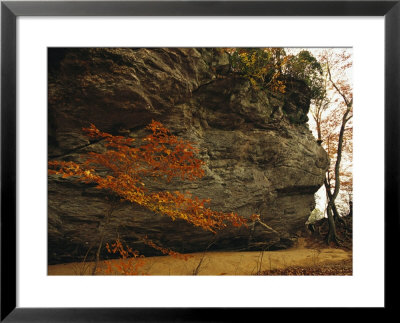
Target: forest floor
308 257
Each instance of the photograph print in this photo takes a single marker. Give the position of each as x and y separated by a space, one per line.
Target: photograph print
200 161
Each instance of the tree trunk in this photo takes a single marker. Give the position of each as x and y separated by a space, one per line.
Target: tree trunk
333 217
332 235
319 130
336 216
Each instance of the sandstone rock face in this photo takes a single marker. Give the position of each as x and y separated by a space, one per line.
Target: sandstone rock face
258 160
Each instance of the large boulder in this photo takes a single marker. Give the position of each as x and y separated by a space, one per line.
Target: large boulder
260 157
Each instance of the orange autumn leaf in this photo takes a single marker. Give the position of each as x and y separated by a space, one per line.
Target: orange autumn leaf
126 164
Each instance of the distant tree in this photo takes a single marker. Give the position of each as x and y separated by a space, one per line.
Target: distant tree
122 169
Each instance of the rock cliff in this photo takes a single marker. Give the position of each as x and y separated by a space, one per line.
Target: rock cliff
260 155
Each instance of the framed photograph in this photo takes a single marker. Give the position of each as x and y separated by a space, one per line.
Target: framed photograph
193 160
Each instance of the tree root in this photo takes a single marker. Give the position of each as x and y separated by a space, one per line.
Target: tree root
333 238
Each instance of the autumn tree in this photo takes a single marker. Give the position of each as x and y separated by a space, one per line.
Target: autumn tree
272 68
332 114
126 164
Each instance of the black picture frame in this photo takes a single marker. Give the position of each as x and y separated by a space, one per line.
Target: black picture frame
10 10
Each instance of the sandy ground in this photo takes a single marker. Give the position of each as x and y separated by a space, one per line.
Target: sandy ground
223 263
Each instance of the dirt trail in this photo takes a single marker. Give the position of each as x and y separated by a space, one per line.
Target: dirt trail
226 263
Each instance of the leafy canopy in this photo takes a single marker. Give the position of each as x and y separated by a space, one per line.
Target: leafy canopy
272 68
